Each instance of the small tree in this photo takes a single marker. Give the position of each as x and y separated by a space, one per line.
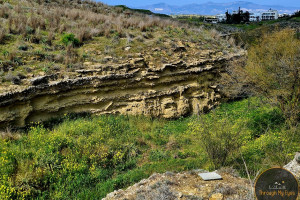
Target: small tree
296 14
274 68
240 17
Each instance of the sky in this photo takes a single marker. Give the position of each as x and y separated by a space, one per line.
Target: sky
137 3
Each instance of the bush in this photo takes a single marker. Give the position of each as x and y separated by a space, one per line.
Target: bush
273 67
216 135
29 30
274 148
69 39
23 47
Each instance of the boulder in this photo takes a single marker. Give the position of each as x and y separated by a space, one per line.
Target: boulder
294 165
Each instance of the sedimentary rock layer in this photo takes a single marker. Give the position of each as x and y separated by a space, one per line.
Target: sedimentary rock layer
137 88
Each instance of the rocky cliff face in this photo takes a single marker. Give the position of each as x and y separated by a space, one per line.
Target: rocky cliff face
135 88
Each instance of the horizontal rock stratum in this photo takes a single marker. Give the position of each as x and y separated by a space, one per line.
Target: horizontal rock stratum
135 88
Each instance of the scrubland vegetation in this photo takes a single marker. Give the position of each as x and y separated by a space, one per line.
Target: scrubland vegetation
88 157
273 67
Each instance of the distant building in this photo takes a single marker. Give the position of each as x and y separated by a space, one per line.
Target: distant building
221 17
255 17
269 15
284 15
211 19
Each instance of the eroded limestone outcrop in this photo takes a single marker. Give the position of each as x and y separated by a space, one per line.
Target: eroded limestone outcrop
185 186
294 165
136 87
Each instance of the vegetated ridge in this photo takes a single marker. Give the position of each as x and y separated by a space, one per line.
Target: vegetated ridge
89 57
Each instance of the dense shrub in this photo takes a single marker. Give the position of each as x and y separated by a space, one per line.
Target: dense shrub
69 39
273 67
216 137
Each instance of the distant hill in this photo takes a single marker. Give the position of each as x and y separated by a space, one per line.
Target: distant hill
211 8
143 11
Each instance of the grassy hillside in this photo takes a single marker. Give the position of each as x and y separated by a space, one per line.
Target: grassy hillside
88 157
39 37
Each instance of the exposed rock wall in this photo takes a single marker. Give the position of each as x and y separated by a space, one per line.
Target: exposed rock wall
137 88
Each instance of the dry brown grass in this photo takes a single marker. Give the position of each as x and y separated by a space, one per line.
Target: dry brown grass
17 24
45 22
3 33
4 11
8 134
231 41
90 18
83 34
51 36
71 56
215 34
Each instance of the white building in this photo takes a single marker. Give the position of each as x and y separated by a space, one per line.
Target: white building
269 15
255 17
264 15
221 17
211 19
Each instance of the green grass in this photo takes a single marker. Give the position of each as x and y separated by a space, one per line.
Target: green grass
87 157
255 25
295 19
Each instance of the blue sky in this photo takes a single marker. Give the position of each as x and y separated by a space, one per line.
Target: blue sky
137 3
